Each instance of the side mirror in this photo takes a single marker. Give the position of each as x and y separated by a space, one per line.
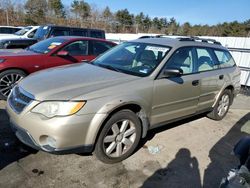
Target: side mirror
31 35
172 72
62 53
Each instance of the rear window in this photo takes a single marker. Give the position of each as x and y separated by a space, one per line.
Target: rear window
225 58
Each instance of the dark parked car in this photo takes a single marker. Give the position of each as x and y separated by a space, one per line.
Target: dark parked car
52 31
16 43
52 52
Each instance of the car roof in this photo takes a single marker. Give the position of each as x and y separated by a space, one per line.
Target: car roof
10 26
61 26
180 42
71 38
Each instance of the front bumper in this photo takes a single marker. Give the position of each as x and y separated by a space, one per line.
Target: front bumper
27 139
70 134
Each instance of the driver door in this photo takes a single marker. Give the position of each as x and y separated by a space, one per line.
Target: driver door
177 96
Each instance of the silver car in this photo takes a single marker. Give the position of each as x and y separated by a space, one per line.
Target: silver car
109 104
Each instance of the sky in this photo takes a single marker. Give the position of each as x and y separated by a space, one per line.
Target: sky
193 11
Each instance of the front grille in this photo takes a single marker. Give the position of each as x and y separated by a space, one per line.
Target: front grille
19 99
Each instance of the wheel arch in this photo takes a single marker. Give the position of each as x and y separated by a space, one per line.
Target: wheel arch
134 107
228 87
15 68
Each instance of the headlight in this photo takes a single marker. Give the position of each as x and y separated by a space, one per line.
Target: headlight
58 108
2 60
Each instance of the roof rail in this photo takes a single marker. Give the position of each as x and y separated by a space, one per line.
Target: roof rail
199 39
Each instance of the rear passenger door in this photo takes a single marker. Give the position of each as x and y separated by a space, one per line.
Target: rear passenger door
97 48
207 67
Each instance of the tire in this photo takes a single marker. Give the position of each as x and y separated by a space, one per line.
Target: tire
119 137
8 79
221 108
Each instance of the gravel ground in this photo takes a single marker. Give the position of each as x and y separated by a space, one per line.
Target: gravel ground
192 153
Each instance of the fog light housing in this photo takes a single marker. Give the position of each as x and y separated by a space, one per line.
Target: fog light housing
51 142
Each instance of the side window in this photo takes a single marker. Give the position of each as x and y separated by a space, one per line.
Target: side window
205 60
100 47
182 59
79 32
5 30
96 34
78 48
59 32
225 59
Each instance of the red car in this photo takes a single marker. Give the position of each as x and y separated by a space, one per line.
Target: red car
52 52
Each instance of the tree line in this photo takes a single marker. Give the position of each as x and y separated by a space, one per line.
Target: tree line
82 14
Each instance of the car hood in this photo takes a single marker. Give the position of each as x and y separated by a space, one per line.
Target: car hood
68 82
16 52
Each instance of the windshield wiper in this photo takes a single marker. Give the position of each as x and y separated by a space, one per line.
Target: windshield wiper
109 67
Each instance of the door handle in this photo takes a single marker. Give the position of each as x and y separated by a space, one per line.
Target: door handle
84 61
221 77
195 82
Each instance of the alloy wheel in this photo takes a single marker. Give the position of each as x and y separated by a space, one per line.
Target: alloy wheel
223 105
119 139
8 81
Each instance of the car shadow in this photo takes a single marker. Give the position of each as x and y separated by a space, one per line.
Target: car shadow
183 171
11 149
220 155
151 133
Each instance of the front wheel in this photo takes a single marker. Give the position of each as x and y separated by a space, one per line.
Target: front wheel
119 137
8 79
222 106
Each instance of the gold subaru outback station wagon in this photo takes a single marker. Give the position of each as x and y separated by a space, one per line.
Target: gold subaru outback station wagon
106 106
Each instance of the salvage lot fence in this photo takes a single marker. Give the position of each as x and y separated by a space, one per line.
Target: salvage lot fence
238 46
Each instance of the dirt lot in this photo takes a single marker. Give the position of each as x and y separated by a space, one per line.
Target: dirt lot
192 153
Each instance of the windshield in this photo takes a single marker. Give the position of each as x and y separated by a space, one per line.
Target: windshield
41 32
46 46
23 31
139 59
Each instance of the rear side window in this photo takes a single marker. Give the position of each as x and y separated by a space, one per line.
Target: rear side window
79 32
7 30
205 60
78 48
59 32
96 34
99 47
225 59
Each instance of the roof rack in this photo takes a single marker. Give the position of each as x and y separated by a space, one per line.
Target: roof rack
199 39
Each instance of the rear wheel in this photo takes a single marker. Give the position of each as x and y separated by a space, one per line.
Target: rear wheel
8 79
222 106
119 137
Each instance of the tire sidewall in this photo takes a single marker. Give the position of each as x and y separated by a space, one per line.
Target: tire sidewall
124 114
